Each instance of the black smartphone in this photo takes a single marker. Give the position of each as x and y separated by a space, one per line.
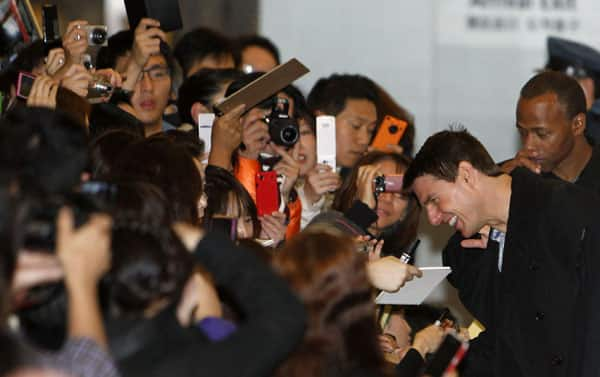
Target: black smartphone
448 356
51 29
165 11
24 84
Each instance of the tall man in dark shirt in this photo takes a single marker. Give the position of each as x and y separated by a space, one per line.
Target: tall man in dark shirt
551 121
535 290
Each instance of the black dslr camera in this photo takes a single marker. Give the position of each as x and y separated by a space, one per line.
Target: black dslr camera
283 130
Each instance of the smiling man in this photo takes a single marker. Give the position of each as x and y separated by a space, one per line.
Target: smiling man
533 284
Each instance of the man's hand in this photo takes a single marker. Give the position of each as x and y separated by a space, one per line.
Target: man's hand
85 252
255 136
429 339
147 38
391 352
390 274
75 41
321 180
77 79
288 167
477 243
521 159
43 92
226 137
364 183
200 299
273 227
35 268
55 61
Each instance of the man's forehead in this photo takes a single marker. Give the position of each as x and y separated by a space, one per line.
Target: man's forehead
424 187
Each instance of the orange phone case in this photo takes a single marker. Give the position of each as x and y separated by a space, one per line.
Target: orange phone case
390 132
267 193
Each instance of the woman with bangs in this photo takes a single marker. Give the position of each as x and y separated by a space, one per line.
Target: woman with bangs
392 217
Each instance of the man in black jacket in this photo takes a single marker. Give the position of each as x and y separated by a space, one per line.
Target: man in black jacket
533 289
551 122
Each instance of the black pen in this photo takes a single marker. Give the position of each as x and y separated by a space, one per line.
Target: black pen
407 256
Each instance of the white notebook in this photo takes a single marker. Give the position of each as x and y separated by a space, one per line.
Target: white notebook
415 291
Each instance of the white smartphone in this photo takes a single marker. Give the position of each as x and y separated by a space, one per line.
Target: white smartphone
205 123
326 150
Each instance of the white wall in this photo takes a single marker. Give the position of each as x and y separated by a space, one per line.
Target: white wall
422 52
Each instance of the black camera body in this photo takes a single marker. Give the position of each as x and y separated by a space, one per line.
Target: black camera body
283 129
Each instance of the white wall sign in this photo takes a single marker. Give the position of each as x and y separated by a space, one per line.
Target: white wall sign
524 23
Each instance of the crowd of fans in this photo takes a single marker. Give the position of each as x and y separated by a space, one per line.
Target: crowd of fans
133 247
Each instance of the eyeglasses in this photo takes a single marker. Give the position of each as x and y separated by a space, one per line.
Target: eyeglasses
156 73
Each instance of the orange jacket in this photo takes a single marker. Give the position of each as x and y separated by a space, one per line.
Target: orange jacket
245 172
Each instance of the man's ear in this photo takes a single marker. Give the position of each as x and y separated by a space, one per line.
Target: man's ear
467 174
198 108
578 124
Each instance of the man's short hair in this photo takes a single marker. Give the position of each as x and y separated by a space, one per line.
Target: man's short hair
444 151
567 90
201 87
199 44
329 95
259 41
118 45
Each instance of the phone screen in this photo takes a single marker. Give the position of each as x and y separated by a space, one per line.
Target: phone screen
24 85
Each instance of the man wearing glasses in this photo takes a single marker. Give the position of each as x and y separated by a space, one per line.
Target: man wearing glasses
148 76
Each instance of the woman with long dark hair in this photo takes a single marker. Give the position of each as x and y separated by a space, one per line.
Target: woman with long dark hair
397 214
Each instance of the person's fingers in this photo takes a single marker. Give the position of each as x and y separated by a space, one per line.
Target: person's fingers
279 216
395 148
284 154
53 93
100 222
414 271
474 243
268 228
64 225
146 23
76 24
31 99
271 220
526 162
31 258
234 114
154 33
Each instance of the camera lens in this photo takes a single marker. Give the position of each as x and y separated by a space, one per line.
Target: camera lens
393 129
98 36
289 135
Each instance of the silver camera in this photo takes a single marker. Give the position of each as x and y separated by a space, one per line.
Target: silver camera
97 35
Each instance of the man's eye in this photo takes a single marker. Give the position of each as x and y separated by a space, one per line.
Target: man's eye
543 135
